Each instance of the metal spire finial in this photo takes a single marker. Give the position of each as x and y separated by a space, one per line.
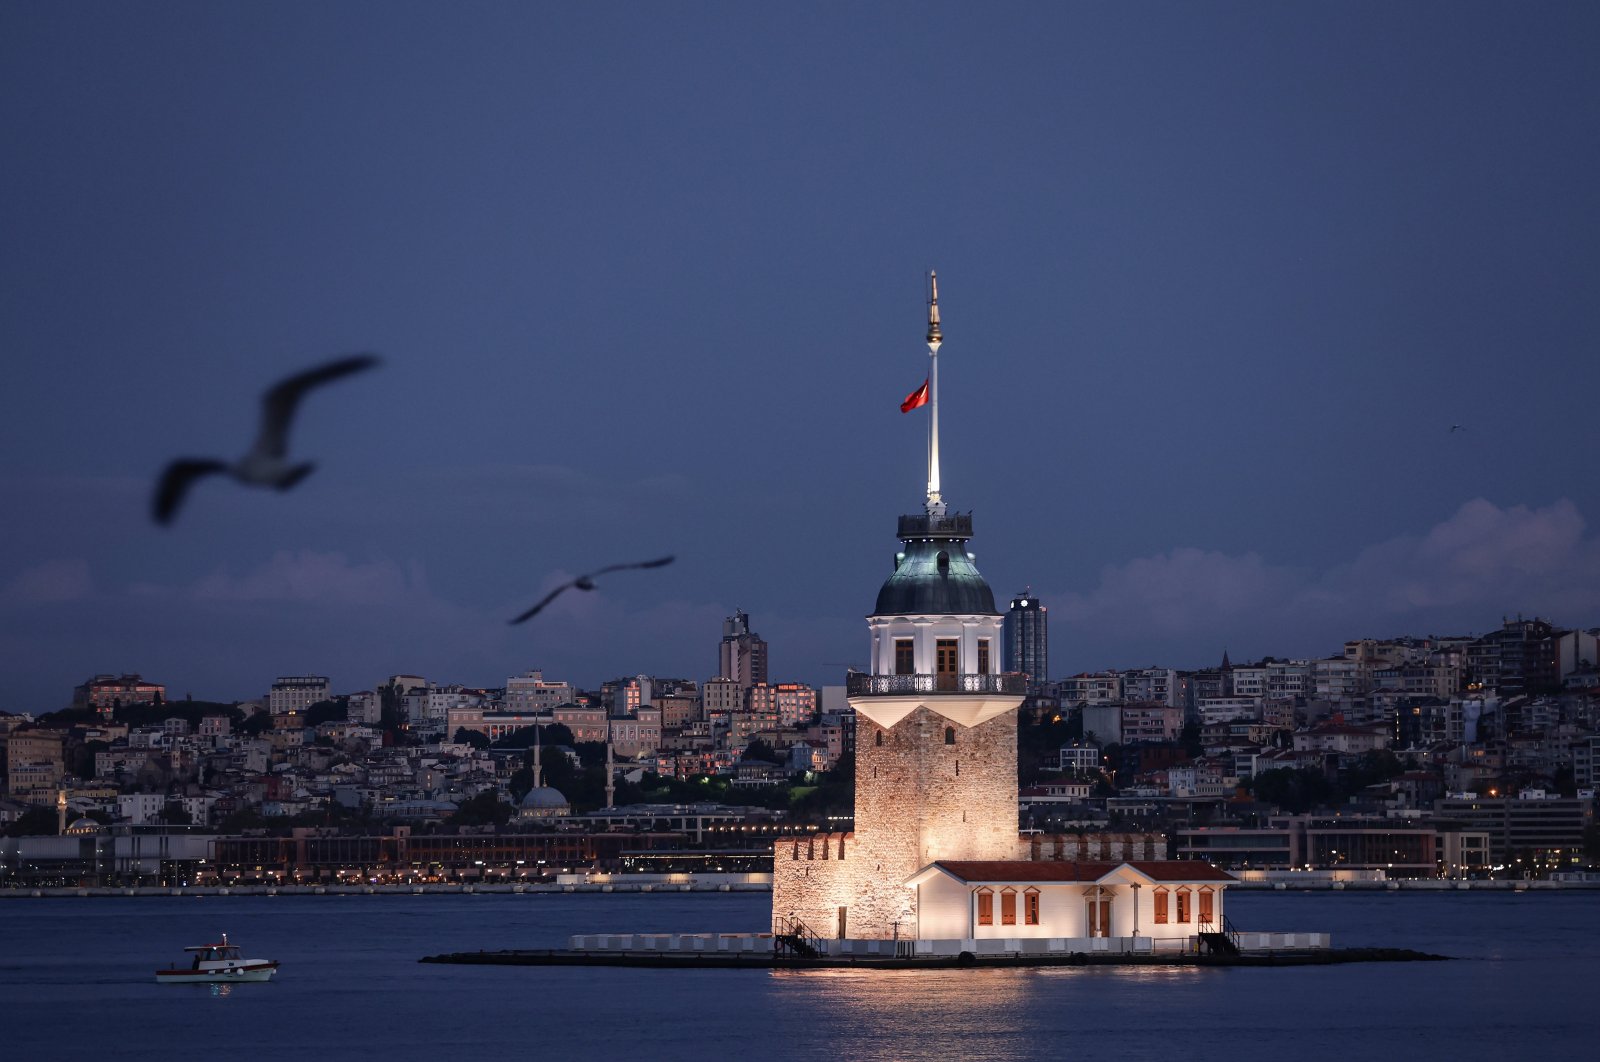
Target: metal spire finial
935 337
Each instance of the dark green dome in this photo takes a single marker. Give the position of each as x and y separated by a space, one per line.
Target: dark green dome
933 574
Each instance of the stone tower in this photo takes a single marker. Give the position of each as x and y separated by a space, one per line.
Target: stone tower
936 734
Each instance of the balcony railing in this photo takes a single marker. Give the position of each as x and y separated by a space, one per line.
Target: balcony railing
860 684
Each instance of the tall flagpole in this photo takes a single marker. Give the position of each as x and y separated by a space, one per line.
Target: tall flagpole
935 499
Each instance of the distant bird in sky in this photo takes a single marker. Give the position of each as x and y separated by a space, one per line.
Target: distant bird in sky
586 582
266 464
1457 427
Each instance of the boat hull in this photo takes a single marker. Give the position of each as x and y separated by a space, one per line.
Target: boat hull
259 972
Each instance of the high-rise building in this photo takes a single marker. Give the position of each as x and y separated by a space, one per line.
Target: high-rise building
743 655
1027 640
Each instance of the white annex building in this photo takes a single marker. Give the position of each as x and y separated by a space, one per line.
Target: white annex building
936 855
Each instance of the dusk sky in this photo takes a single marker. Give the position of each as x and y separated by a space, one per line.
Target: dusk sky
1217 280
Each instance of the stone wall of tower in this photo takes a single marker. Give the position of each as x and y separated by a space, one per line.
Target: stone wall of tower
918 799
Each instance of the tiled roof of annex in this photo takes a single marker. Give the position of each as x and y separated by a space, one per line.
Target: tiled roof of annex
998 870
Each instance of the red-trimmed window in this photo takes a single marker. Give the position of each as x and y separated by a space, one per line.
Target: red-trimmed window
1183 906
1160 899
1008 907
985 907
1030 907
1207 912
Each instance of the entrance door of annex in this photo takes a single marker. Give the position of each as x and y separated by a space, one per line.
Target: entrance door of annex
1098 912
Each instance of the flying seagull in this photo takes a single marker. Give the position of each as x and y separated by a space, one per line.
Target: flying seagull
586 582
266 464
1456 427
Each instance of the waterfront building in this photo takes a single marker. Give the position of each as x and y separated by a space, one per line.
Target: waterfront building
1534 829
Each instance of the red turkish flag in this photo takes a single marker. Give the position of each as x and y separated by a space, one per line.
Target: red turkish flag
916 398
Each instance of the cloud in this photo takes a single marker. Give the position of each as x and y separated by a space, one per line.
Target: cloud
1462 573
51 582
1483 555
309 576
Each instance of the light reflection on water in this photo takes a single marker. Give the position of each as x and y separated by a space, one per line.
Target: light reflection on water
982 1013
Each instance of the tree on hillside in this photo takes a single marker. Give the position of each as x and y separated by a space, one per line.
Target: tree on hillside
760 750
485 809
523 736
175 814
1038 745
476 739
329 711
35 822
1296 790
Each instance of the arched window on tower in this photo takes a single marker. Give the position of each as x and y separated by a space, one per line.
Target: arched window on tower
877 739
949 735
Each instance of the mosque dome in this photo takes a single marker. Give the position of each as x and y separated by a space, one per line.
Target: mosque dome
82 826
934 575
544 800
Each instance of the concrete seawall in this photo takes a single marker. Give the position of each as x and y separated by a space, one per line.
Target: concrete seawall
1429 885
430 889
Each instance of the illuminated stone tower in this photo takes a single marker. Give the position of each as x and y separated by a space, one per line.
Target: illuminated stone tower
936 732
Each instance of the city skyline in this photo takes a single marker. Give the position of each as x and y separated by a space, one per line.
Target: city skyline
1229 280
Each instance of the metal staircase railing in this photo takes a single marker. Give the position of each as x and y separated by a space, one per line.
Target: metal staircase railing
1220 941
791 935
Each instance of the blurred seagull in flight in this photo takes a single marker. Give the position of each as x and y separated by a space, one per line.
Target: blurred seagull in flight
266 465
1457 427
586 582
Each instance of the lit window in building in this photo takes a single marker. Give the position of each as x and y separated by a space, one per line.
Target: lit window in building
1030 910
1207 912
905 657
1183 906
1161 906
985 907
1008 908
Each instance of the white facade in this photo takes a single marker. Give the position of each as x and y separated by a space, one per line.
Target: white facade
1167 900
1227 709
1102 688
978 644
365 707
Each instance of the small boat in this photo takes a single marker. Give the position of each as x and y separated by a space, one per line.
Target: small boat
218 964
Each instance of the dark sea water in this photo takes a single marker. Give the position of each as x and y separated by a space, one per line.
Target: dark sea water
76 982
